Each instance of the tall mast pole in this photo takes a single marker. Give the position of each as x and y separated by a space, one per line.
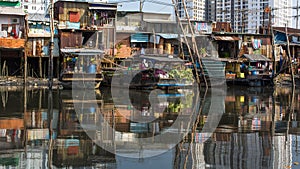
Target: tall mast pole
50 66
297 16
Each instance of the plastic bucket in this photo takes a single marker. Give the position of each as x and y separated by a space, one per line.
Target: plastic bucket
92 69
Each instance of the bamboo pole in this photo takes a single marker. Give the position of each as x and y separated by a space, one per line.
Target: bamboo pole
195 47
50 66
185 39
289 56
40 67
273 46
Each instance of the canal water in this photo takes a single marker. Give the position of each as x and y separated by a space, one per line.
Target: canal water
230 127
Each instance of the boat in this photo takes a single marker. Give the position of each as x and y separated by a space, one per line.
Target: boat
153 71
81 68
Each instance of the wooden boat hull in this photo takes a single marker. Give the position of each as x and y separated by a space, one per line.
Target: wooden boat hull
81 80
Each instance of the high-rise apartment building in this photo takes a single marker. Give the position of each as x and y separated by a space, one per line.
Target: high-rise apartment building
195 8
41 6
35 6
248 15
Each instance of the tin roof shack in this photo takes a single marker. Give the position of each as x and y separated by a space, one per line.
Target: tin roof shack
37 46
281 52
12 40
85 27
88 25
137 30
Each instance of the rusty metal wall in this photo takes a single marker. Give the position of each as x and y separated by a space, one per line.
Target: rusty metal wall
70 39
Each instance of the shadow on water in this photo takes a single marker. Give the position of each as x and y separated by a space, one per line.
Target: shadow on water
233 127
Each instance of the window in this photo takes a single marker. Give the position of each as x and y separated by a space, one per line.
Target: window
9 28
25 6
33 1
33 8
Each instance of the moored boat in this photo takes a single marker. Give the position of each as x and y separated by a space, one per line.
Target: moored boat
154 71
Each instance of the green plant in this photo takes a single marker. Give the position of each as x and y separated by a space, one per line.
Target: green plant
182 74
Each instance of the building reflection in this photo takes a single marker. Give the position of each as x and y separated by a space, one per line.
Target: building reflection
257 131
255 127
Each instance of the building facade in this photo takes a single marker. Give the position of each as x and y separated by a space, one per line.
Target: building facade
35 6
248 15
195 8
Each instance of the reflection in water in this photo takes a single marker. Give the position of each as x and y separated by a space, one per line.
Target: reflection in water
254 128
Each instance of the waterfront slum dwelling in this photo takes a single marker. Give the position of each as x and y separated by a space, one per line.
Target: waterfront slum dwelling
156 33
86 32
287 54
248 57
37 47
12 38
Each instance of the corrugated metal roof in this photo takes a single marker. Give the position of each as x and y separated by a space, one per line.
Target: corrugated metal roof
161 58
168 35
11 11
38 17
255 57
226 38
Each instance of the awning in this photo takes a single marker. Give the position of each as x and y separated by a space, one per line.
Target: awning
139 37
11 11
226 38
256 57
168 36
82 51
103 6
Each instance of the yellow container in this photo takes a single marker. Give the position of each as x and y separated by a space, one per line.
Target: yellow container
242 99
242 75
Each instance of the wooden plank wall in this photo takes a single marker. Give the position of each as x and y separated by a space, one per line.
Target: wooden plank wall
64 9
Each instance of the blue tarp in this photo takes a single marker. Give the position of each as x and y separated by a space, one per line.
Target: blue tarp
139 37
280 38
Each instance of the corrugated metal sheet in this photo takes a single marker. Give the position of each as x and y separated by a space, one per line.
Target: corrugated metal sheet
68 39
168 36
226 38
255 57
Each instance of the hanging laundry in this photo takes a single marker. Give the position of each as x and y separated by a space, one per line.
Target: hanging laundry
256 43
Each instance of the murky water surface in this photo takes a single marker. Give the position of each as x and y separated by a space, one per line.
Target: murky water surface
230 127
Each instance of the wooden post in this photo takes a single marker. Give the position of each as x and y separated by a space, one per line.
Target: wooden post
0 65
50 68
24 51
289 56
273 45
25 119
40 67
